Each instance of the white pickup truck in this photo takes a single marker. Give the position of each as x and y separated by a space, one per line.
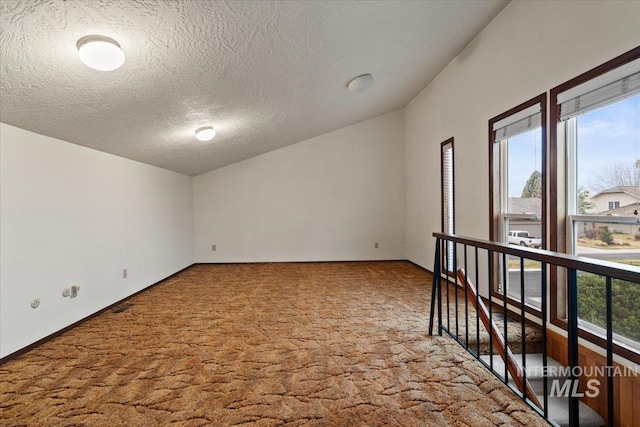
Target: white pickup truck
522 238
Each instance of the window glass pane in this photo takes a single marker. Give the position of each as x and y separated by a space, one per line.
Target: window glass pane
608 160
532 277
521 193
625 304
607 168
522 232
524 178
610 241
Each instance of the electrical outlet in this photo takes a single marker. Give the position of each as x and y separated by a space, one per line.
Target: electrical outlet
375 245
124 273
213 248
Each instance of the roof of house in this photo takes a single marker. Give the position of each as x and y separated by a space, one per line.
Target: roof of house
632 190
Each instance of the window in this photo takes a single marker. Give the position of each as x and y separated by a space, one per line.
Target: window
447 202
612 205
517 189
602 135
598 133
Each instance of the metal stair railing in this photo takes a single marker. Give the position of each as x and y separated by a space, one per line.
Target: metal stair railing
496 251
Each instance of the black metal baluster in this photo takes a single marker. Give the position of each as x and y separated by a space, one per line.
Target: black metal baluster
434 284
477 304
504 310
446 267
609 303
522 331
439 292
466 301
572 331
543 295
455 285
490 263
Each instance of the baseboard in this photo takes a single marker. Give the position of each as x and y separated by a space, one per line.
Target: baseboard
302 261
84 319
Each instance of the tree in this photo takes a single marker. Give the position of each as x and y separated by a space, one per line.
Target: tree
533 187
584 205
617 175
607 236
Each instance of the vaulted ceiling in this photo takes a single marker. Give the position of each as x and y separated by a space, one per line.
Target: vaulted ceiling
265 74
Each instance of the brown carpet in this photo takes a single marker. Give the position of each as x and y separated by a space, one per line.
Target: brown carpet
308 344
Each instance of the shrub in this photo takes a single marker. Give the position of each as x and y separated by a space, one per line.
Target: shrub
626 303
592 233
607 236
637 236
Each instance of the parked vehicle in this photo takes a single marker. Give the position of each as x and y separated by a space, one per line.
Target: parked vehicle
522 238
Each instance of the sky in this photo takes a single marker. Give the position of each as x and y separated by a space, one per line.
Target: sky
609 135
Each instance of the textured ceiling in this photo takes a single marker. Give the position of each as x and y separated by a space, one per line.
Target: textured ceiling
265 74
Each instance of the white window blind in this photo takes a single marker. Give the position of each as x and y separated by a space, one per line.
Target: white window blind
520 122
617 85
447 199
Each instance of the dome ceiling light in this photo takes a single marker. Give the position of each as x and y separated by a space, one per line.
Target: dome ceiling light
360 83
205 133
100 52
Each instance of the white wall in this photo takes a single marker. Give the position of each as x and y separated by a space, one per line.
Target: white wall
529 48
327 198
72 215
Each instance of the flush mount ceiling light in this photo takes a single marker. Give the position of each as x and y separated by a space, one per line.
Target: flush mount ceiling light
360 83
205 133
100 52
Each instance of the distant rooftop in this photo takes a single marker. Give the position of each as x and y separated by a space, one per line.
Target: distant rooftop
631 190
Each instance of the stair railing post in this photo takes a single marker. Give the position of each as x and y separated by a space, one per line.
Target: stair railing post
435 287
609 303
466 302
439 291
572 331
543 292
